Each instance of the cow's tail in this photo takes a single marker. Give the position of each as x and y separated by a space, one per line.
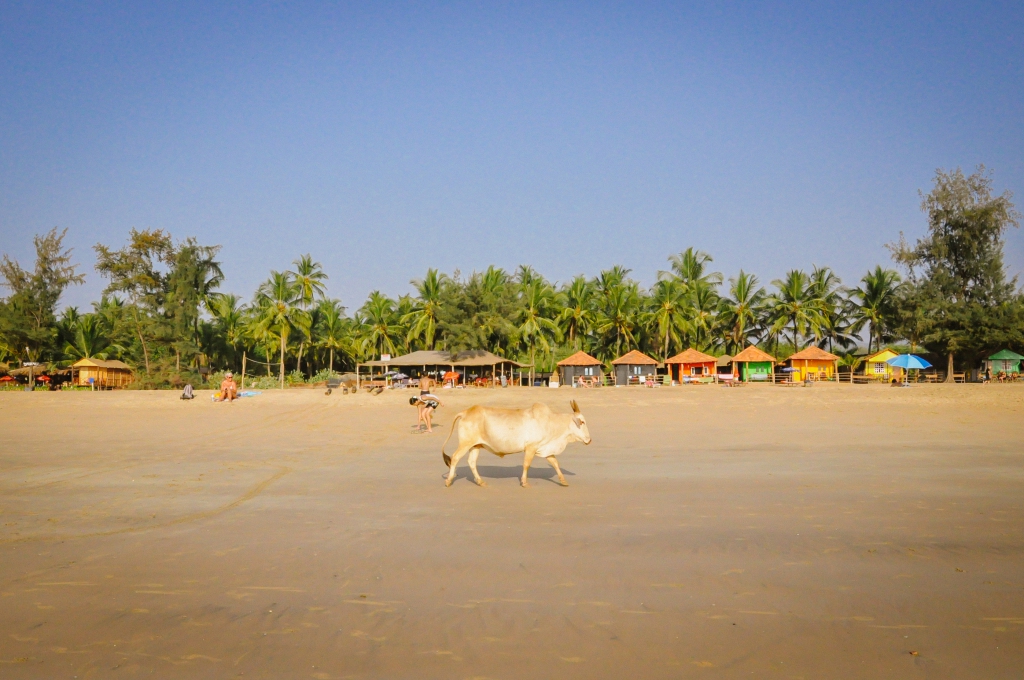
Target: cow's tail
447 458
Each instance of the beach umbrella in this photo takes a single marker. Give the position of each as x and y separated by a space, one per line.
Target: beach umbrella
908 361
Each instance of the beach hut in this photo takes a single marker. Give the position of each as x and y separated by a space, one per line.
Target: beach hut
723 367
102 373
875 366
813 363
754 365
692 366
472 367
632 368
579 366
1004 361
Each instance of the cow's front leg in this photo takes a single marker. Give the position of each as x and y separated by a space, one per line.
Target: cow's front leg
530 453
554 463
459 453
473 455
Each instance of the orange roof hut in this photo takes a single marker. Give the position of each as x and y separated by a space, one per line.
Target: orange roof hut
632 367
691 366
754 365
580 369
813 363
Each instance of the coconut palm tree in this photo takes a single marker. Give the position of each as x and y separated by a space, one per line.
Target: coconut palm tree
874 302
794 305
422 321
381 325
577 300
702 312
617 317
741 311
666 315
309 278
691 267
536 326
334 331
88 339
278 310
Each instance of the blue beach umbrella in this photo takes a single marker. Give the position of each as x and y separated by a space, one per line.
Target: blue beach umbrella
908 361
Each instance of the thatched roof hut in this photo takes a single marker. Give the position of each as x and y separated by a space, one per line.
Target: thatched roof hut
691 364
754 365
579 366
814 363
632 367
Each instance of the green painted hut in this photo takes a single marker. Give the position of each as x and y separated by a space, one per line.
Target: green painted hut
754 365
1004 362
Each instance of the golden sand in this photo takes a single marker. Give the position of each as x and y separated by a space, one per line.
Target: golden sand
824 532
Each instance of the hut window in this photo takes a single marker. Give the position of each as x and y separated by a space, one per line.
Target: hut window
879 368
696 370
636 370
589 370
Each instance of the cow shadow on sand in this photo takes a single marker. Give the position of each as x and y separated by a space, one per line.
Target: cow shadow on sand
505 472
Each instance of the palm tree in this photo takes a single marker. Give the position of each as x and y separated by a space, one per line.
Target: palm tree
704 304
667 305
333 332
422 321
578 314
229 316
795 305
382 327
278 310
88 339
617 317
741 311
309 277
690 267
874 303
535 323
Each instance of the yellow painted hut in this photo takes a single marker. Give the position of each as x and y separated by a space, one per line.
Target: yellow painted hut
813 363
102 373
875 366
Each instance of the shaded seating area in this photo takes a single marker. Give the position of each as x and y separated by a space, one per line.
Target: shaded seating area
478 368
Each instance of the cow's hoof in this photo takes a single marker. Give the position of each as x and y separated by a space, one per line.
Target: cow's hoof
525 485
481 483
447 482
562 482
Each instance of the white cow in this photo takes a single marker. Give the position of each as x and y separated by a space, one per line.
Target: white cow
536 431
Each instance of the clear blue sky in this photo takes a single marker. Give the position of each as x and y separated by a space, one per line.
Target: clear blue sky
386 138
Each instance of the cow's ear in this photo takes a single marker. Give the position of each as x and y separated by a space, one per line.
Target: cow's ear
575 407
579 423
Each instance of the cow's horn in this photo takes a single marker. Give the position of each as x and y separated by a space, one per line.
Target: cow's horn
575 407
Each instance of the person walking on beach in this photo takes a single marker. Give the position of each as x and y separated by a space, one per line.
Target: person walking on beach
425 404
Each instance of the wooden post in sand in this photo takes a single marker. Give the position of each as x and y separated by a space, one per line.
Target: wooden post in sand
243 369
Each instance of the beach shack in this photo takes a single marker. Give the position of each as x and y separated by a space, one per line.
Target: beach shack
692 366
875 366
1005 362
723 368
465 367
813 363
102 373
580 366
632 368
754 365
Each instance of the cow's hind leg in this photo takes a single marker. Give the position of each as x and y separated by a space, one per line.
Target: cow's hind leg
459 453
530 453
554 464
473 455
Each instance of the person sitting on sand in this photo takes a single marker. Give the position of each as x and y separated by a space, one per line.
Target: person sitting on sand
228 388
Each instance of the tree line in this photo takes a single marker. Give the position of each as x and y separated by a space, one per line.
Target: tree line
162 311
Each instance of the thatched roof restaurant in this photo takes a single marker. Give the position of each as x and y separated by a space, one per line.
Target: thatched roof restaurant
467 363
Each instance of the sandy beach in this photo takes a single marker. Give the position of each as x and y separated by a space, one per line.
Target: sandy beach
828 532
